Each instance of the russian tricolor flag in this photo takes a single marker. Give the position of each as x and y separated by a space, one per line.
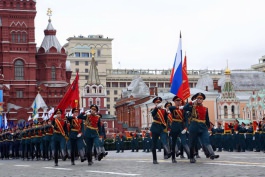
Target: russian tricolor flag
176 73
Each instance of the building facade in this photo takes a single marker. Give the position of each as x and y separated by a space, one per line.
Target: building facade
25 71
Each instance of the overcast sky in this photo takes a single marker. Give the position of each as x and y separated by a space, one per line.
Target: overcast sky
146 32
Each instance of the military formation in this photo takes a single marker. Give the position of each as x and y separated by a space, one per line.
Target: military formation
187 128
176 128
72 137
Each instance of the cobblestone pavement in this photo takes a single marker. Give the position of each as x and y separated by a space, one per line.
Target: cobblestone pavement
230 164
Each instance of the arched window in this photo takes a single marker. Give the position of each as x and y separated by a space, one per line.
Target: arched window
13 36
53 73
225 111
18 38
90 101
94 89
233 110
98 102
19 70
24 37
87 89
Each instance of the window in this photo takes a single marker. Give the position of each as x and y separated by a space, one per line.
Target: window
115 92
108 106
115 98
123 84
167 85
24 37
77 70
19 93
13 37
19 70
98 101
114 84
76 63
86 77
98 53
225 111
108 92
108 84
86 63
18 37
233 109
86 70
85 55
77 54
160 85
53 70
90 101
108 99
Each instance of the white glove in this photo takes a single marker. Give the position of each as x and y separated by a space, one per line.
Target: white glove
159 105
181 107
88 112
194 101
54 116
168 112
183 131
79 135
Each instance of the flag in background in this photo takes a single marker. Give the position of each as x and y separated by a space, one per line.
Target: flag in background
185 80
35 110
176 73
5 124
71 97
1 108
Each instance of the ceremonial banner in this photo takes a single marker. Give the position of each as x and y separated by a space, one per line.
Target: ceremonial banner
176 73
186 86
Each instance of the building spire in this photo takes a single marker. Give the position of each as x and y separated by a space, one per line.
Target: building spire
93 72
227 70
49 13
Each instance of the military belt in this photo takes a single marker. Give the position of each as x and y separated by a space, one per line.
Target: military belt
75 130
48 133
241 133
155 121
93 128
197 120
177 120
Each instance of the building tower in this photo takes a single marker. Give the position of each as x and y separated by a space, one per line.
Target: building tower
94 92
228 103
17 54
53 77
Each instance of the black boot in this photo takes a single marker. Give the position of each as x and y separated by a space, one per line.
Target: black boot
192 159
211 152
167 150
187 150
154 157
205 150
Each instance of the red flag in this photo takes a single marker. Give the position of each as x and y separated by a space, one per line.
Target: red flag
185 81
71 97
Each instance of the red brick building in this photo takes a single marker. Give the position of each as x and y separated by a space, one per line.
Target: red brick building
25 69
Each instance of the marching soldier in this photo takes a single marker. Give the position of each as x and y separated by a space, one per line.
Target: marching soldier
199 125
92 128
76 136
102 137
48 143
135 142
178 128
241 137
159 128
249 137
59 135
219 131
